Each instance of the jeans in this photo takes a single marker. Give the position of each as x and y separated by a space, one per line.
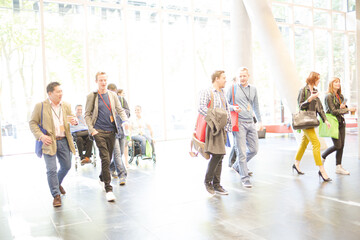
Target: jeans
310 136
54 177
246 147
213 172
338 146
105 142
117 162
142 139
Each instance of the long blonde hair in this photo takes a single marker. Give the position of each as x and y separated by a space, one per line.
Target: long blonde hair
331 88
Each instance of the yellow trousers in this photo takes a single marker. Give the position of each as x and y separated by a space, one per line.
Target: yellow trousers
310 136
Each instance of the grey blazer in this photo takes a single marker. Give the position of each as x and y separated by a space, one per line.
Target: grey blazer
92 109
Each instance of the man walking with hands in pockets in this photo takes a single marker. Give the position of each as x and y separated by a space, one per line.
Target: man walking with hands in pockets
100 114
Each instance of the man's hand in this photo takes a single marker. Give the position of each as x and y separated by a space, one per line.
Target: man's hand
237 109
261 127
342 106
46 140
74 121
94 133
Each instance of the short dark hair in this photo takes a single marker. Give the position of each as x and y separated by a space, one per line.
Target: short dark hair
120 91
98 74
79 105
111 87
216 74
51 86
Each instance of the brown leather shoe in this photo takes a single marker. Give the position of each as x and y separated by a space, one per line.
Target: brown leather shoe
57 201
62 190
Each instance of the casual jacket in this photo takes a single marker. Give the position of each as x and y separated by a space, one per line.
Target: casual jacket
314 105
48 124
215 137
332 105
92 109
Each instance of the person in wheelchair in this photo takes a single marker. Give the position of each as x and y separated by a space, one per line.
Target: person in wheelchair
81 136
141 131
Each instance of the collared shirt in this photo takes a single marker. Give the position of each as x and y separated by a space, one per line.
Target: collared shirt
81 125
219 102
58 118
245 97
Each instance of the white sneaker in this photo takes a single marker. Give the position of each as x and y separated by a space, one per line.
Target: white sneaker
110 197
340 170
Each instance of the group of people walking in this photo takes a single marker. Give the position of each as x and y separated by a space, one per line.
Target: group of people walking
242 98
106 119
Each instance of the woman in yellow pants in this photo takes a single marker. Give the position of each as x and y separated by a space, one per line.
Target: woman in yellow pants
308 100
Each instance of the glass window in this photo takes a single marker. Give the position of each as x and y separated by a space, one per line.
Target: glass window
338 21
21 81
352 65
107 46
287 35
178 72
304 2
143 3
303 51
339 5
322 57
226 7
207 6
322 4
145 68
339 54
282 13
321 18
287 1
351 5
208 49
183 5
303 16
64 41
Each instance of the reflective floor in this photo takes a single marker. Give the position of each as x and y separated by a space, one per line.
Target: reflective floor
169 201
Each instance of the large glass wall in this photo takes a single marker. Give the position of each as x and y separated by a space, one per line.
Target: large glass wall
161 53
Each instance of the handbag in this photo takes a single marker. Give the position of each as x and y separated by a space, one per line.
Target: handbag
304 120
39 143
200 127
234 115
198 137
333 131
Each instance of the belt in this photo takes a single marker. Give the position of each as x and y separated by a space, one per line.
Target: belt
59 138
103 131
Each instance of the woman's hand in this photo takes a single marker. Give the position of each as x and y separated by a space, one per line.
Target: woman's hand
328 124
313 96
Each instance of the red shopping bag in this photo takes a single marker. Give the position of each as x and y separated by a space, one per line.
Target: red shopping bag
234 115
200 129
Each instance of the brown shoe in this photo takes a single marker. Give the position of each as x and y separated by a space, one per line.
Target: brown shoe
62 190
85 160
57 201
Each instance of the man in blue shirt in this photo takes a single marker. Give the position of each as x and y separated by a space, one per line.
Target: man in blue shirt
246 139
80 132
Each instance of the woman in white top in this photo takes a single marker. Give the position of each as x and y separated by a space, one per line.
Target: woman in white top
139 130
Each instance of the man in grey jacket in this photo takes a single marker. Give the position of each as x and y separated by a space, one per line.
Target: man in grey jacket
246 139
100 114
218 121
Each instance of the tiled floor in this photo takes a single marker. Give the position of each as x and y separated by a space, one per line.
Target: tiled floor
169 201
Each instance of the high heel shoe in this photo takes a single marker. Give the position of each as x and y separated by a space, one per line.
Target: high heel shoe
299 172
325 180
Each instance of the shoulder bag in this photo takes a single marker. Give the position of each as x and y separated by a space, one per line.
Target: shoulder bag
39 143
